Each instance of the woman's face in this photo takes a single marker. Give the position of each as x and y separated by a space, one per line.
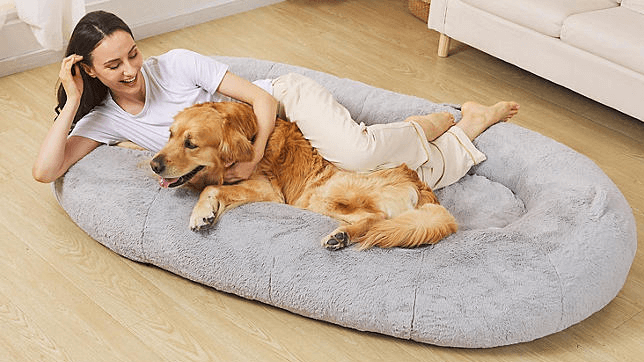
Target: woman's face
116 62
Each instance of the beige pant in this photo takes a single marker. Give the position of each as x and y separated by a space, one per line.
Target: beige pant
356 147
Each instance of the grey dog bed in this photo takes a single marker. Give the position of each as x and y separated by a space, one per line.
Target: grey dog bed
546 239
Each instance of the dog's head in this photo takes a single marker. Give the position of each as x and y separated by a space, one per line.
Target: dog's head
205 140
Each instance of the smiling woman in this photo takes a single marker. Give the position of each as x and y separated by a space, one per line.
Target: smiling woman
78 94
108 94
119 70
92 37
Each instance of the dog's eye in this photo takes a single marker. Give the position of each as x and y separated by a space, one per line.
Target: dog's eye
188 144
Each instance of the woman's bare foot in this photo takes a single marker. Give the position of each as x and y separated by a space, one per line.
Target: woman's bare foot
434 124
477 117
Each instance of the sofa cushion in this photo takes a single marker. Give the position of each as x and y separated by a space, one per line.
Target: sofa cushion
614 34
635 5
544 16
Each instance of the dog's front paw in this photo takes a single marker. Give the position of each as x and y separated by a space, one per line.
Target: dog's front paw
204 214
336 241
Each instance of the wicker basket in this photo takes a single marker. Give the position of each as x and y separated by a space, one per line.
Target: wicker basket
420 9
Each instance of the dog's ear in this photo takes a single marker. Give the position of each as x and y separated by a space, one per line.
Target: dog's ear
239 116
235 147
239 127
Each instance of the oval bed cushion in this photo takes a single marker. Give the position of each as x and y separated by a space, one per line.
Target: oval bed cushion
546 239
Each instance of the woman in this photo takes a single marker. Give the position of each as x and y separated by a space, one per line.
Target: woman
108 94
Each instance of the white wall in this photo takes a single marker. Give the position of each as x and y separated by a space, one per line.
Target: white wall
20 51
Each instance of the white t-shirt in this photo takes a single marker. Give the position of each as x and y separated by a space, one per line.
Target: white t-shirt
173 81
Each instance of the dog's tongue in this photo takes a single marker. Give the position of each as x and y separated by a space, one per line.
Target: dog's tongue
165 182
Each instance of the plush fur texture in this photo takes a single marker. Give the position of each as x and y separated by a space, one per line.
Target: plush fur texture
385 208
545 238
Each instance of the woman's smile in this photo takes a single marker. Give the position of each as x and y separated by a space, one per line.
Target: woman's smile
129 80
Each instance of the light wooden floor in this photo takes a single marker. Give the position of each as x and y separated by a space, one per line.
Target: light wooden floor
64 297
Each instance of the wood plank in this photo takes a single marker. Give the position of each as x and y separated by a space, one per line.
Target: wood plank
44 316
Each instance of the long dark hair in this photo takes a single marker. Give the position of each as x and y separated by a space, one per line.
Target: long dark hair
87 35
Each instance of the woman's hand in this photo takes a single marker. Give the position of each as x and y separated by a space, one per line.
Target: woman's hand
73 83
265 108
240 171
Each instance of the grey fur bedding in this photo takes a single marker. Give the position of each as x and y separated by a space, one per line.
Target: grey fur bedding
546 239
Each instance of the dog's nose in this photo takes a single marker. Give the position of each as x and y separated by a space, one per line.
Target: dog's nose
158 164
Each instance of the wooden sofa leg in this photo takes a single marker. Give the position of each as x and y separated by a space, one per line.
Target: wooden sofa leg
443 45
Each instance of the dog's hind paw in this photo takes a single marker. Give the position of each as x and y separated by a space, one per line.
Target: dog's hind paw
336 241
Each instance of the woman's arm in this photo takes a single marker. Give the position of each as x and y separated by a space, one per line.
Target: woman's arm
57 152
265 108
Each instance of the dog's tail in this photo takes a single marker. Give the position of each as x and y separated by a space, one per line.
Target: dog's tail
426 225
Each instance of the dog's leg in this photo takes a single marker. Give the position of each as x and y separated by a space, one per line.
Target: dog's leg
215 200
346 235
207 209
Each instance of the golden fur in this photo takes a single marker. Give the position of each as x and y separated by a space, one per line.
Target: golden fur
385 208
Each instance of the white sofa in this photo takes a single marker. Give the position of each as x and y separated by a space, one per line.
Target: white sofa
594 47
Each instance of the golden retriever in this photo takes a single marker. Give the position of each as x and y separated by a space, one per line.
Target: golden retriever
385 208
